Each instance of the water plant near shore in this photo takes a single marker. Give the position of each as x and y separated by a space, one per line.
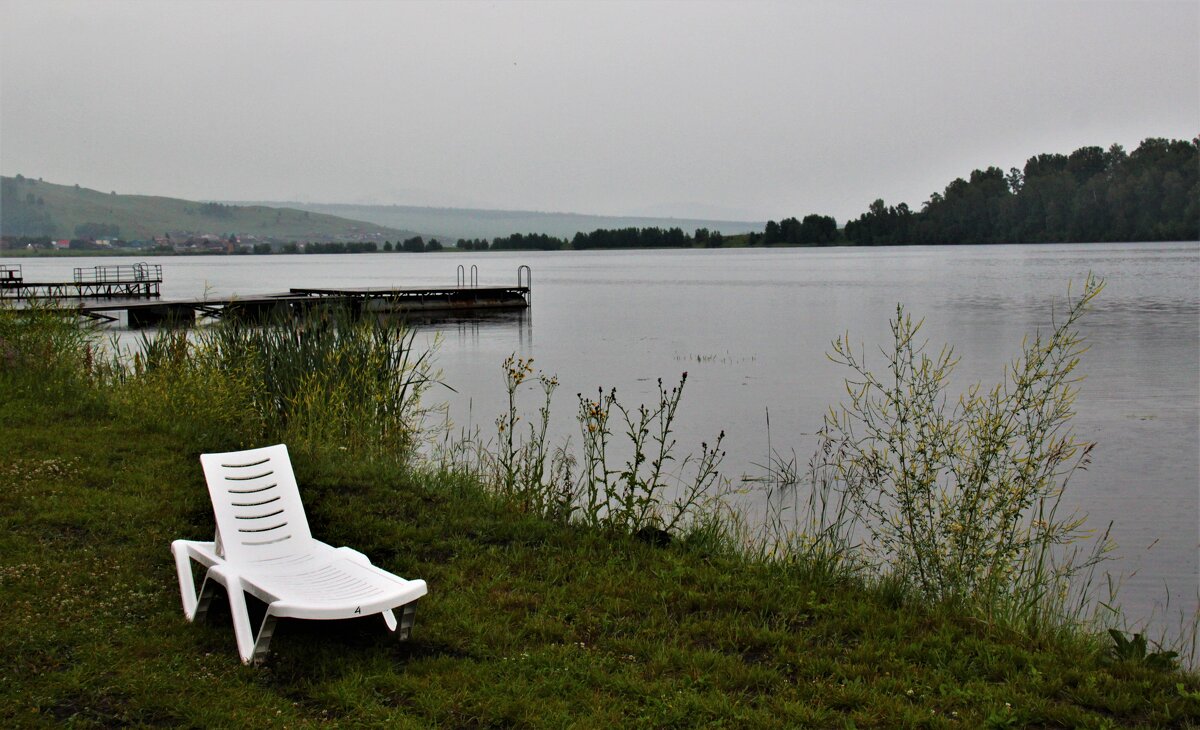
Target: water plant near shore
36 339
330 381
954 501
961 498
949 500
595 487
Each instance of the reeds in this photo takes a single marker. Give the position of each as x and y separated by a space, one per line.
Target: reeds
327 382
42 340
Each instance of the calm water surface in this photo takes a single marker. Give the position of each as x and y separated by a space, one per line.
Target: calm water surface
751 328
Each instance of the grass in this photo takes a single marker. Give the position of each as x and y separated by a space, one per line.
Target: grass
321 381
529 622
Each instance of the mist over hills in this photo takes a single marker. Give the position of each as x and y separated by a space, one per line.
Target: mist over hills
451 224
31 207
35 208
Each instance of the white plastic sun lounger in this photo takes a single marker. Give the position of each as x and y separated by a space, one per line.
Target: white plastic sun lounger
263 547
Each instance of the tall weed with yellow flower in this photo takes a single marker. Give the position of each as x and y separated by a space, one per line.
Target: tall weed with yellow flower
962 498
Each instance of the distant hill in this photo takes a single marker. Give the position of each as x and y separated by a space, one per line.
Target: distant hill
31 207
451 224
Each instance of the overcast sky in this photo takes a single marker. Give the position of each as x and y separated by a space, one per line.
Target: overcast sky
745 110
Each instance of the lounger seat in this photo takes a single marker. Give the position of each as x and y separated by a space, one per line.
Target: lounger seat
264 548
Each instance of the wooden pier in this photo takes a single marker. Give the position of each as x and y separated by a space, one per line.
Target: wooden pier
466 297
129 281
297 301
136 283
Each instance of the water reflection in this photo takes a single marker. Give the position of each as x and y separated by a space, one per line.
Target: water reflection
460 330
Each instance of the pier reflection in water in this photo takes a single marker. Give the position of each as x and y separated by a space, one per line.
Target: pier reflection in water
469 331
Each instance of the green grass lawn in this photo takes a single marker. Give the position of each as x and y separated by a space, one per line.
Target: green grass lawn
527 623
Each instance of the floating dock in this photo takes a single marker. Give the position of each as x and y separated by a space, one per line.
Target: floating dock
297 301
463 298
127 281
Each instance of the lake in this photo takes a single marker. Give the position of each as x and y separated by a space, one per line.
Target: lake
751 328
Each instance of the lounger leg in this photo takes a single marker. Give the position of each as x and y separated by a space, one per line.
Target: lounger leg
247 642
389 618
207 591
408 616
252 647
265 632
187 583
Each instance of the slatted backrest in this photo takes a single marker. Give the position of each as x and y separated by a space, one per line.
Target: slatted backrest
257 504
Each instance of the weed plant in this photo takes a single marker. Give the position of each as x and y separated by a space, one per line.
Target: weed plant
652 491
961 497
644 491
527 471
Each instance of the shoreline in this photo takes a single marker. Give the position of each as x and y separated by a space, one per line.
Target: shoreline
528 621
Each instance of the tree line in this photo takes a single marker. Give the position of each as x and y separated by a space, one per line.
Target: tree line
814 230
1090 195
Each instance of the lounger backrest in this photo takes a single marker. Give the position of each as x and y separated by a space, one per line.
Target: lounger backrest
256 503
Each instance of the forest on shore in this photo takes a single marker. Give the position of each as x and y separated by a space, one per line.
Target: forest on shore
1090 195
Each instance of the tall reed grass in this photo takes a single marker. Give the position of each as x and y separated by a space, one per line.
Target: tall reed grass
49 348
806 518
329 382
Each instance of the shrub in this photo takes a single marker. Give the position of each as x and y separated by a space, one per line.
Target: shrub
961 498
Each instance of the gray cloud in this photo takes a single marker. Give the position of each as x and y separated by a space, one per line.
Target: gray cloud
760 109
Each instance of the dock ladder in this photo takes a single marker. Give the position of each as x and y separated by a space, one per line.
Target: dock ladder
462 276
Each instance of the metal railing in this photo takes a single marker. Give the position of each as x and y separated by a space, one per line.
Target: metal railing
11 274
123 274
